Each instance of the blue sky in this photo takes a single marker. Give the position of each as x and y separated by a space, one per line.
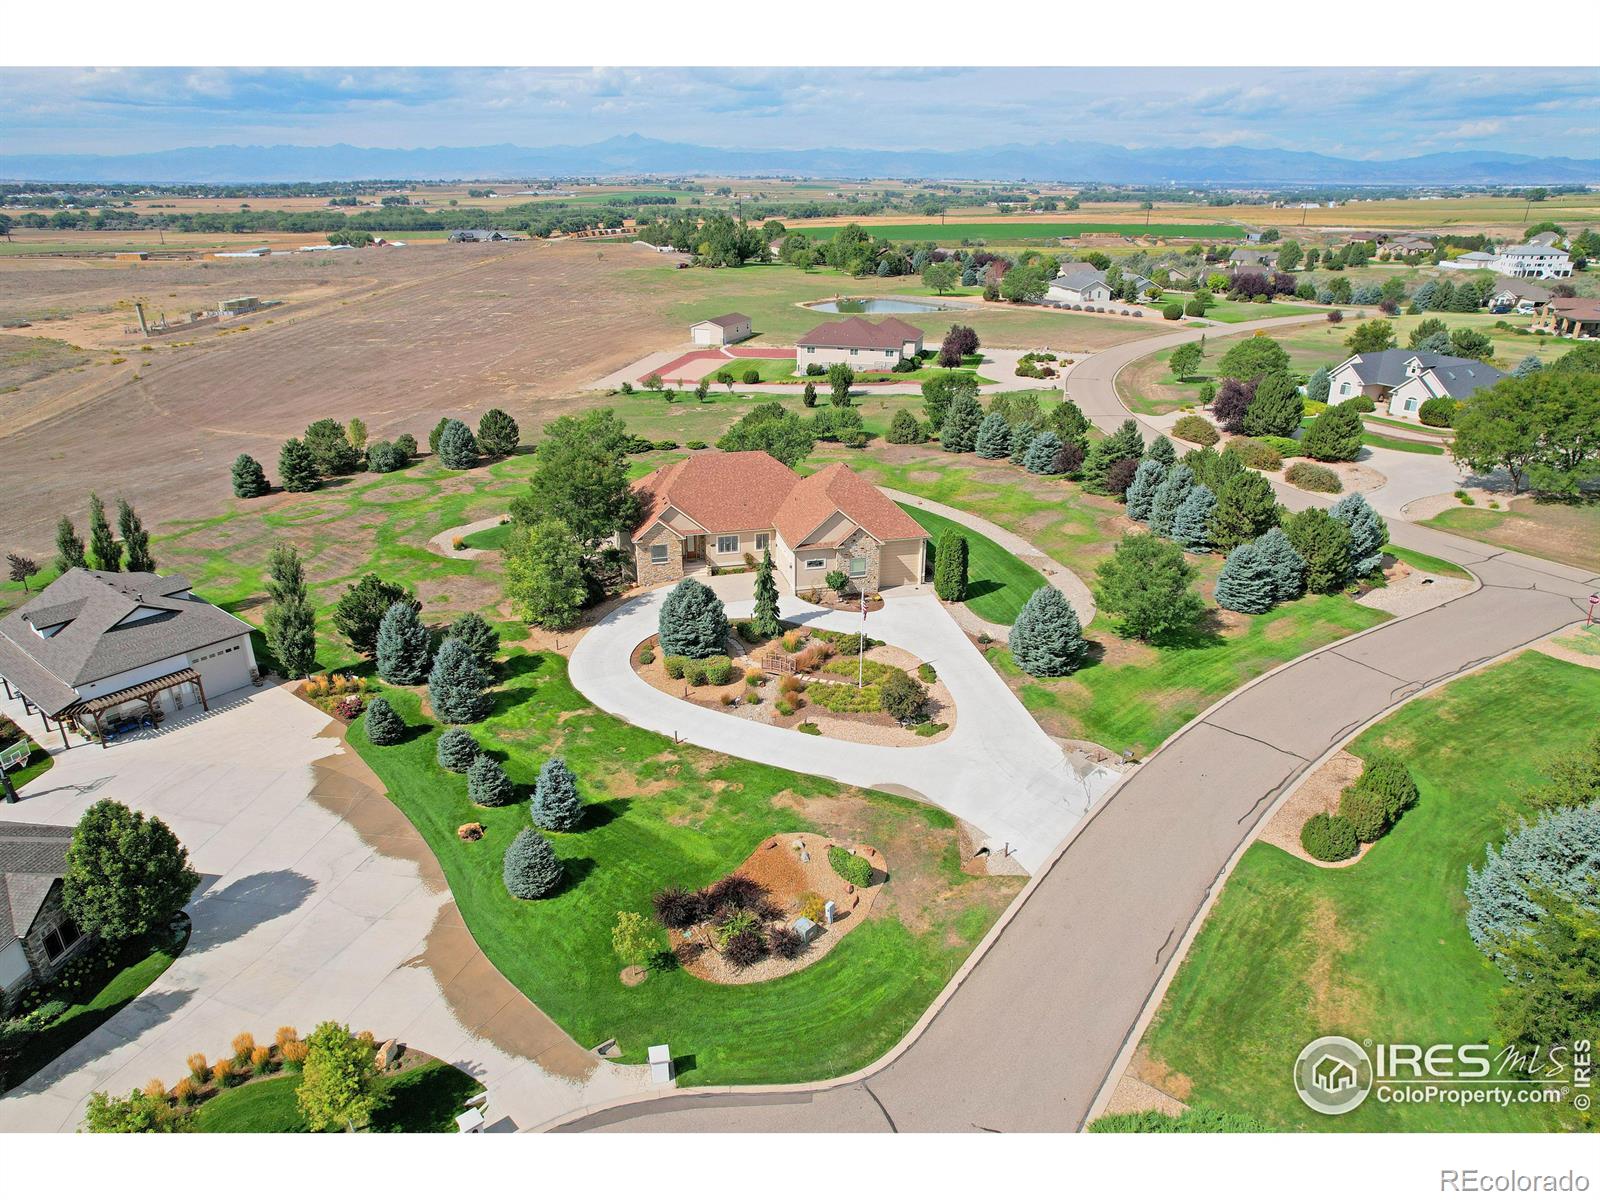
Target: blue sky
1353 112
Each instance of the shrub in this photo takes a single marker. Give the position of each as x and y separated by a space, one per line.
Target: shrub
199 1069
751 375
736 891
1197 430
719 670
905 429
1257 454
530 869
926 673
1438 411
785 707
1324 544
244 1045
556 803
1389 779
183 1091
695 673
745 948
950 567
646 656
809 727
903 698
1365 813
1310 477
751 696
851 868
488 785
384 726
294 1053
260 1060
1335 436
784 942
1328 838
813 907
677 908
222 1075
1172 312
1246 584
676 666
693 622
755 678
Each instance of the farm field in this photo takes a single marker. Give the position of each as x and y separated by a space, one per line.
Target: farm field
1568 533
1017 232
1377 949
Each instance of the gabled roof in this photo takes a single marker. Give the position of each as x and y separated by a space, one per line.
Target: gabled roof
722 492
836 488
1525 288
1536 248
32 859
104 622
1246 255
1076 277
1457 377
856 333
726 321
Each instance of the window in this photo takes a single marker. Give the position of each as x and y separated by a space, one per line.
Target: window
1344 389
815 564
659 554
858 567
61 939
728 543
855 352
761 541
1411 405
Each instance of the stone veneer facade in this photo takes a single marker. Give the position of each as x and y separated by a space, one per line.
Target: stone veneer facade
650 574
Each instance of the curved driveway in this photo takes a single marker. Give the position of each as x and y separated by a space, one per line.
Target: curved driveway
1030 1035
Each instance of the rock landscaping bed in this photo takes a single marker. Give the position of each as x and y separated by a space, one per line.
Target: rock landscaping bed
746 926
805 679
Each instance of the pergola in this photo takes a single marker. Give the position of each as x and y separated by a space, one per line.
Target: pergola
147 691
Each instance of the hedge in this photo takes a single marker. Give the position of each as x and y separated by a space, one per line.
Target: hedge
1313 478
1197 430
1329 837
851 868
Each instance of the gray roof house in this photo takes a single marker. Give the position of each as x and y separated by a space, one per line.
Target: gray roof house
1078 283
95 643
482 235
36 935
1252 260
1406 379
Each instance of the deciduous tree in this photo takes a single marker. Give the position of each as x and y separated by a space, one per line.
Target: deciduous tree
126 874
581 476
135 539
103 544
339 1081
545 578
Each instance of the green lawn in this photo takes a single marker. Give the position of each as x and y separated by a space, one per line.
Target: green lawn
1231 312
1379 949
39 761
1427 562
662 814
113 977
998 582
492 538
1406 445
422 1099
783 370
1568 533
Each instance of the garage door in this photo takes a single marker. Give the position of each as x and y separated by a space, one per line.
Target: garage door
900 563
223 669
706 337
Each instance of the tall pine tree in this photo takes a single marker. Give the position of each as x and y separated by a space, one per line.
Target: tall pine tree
290 622
69 547
135 538
1191 524
249 480
959 433
1368 532
458 685
403 645
764 621
103 543
1246 508
950 567
1142 491
1174 490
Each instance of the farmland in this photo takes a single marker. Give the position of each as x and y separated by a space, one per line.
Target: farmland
1010 232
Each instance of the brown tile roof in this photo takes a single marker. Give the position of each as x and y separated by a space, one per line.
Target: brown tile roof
1577 308
726 320
836 488
724 492
855 333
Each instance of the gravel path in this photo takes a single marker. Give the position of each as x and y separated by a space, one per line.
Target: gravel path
444 541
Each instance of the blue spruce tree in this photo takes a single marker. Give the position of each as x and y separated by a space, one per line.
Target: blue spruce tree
1042 452
404 647
1047 639
1191 524
530 870
458 685
1246 584
1368 532
556 803
1173 491
693 622
1142 491
994 437
1284 564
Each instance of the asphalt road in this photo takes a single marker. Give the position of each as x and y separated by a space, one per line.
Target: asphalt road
1028 1039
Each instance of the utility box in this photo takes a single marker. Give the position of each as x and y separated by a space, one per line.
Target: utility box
661 1064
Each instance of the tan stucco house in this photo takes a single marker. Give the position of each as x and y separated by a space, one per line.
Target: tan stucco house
864 345
713 509
721 331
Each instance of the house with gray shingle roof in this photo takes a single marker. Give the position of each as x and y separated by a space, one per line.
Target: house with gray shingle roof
1404 380
1078 283
37 937
95 647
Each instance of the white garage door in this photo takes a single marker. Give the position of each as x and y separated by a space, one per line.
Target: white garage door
706 335
223 669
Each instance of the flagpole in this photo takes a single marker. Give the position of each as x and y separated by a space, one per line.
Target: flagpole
861 645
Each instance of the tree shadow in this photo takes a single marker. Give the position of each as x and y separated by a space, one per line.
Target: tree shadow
222 916
982 587
1204 633
601 814
573 872
39 1063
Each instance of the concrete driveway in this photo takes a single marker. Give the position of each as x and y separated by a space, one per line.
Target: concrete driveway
318 901
997 770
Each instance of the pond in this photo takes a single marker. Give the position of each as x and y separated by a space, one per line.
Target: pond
878 306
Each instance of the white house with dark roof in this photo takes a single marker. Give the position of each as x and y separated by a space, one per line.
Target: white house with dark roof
37 937
1534 260
862 344
1402 380
721 331
1078 283
97 647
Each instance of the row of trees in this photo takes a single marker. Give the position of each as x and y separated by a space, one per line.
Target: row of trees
105 551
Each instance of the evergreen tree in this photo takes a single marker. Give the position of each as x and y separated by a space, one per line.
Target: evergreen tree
1369 533
297 469
103 543
290 623
1324 543
458 685
403 645
1284 564
458 449
1142 491
904 429
556 803
764 621
361 610
959 433
1021 440
1146 584
249 480
498 434
330 448
1246 508
1277 409
384 726
478 636
1335 436
1125 443
488 785
1043 454
1529 365
69 547
950 567
1317 387
135 539
693 622
545 578
531 869
994 437
1067 422
1047 639
1191 524
1556 855
1246 584
1174 490
1162 450
456 750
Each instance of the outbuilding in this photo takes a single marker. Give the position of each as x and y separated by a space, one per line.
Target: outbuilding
721 331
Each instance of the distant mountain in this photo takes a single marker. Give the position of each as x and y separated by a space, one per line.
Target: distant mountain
1065 161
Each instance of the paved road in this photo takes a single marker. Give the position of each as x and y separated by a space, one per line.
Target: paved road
1032 1033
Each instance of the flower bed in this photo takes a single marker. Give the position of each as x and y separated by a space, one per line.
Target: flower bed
343 697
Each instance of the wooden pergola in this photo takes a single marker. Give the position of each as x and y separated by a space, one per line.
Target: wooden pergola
147 691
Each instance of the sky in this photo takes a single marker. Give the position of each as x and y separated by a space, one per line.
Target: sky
1350 112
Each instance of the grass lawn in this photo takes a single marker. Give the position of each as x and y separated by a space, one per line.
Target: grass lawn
1017 232
1406 445
998 582
38 762
1231 312
1379 949
422 1099
112 979
1568 533
662 814
492 538
783 370
1430 563
1135 696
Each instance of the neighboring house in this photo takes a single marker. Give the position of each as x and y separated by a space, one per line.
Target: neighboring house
862 344
1078 283
1402 380
1472 260
1576 317
1406 244
482 235
714 509
1518 295
97 646
1252 260
1534 261
721 331
37 937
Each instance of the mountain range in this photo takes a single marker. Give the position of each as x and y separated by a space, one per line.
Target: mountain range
632 155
